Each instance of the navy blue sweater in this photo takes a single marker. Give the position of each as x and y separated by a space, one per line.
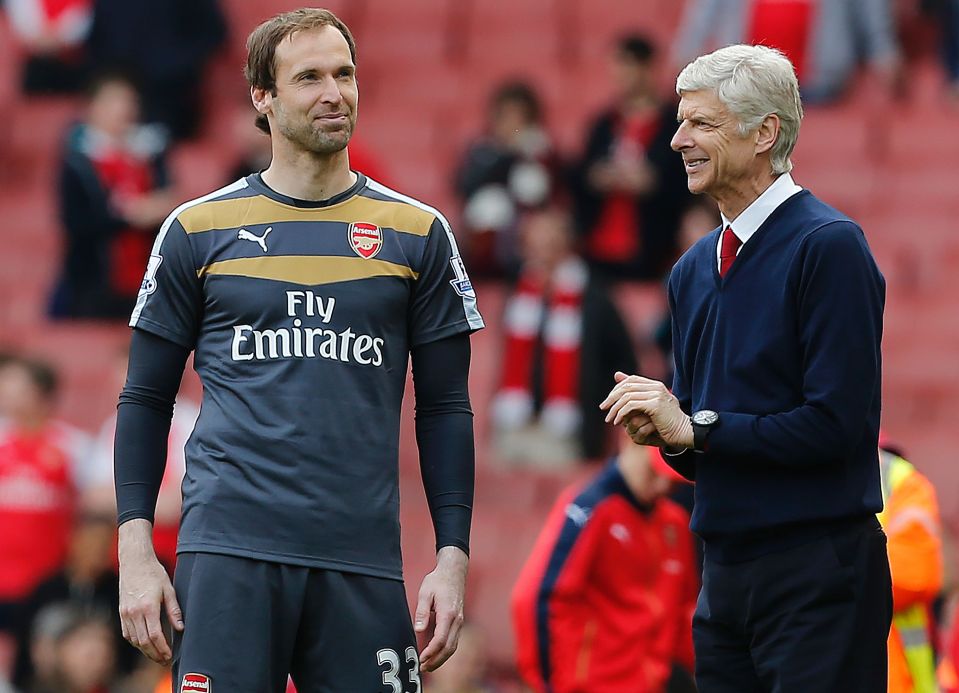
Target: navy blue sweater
787 349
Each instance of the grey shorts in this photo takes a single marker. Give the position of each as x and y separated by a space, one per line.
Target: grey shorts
249 624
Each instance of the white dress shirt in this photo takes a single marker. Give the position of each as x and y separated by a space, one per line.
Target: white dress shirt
747 223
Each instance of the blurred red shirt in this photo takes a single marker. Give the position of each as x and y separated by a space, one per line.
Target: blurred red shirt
37 497
605 602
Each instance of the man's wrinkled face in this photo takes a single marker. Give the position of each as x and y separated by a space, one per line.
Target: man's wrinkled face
716 156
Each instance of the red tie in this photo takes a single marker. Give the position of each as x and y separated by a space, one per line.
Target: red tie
727 252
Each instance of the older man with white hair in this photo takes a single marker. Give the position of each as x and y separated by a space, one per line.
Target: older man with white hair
774 410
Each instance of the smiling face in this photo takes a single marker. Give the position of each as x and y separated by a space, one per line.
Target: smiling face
314 107
719 161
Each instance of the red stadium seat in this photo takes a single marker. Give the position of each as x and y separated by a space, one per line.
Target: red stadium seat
426 68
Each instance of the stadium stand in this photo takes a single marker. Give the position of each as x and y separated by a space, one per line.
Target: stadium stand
426 68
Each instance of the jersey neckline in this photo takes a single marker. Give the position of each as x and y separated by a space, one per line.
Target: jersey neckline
256 182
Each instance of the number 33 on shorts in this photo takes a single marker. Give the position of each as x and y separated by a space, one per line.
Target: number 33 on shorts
391 678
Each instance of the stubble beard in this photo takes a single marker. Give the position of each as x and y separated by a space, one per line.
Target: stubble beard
316 139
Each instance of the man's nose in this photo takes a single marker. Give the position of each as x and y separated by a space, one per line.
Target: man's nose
681 140
331 91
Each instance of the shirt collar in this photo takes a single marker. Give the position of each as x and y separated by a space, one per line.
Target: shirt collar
747 223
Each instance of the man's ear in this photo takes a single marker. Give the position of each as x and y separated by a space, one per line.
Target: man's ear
768 133
262 100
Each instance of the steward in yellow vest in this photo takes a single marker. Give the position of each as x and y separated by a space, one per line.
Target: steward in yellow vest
910 519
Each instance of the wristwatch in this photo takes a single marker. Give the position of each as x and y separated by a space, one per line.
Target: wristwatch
703 422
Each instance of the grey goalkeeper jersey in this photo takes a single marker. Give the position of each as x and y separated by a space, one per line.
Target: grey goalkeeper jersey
301 316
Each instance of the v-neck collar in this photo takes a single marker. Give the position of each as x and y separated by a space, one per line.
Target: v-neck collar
748 248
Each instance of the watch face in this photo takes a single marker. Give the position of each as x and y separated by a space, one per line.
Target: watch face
705 417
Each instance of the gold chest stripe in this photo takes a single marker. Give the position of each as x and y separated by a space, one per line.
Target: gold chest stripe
307 270
251 211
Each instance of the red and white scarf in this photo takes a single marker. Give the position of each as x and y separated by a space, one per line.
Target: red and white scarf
555 307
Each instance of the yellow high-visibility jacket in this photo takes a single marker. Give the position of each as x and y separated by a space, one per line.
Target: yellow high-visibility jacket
911 522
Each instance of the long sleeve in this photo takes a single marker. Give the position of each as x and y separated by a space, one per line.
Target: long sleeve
550 590
444 436
560 598
143 423
685 462
840 297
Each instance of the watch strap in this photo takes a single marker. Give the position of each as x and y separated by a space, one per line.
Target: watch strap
700 433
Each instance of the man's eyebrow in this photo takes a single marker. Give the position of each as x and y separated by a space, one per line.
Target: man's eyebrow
313 70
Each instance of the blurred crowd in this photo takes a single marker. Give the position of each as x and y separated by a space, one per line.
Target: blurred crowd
560 230
59 590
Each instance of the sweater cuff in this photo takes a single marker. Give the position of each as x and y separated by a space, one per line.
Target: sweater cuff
683 462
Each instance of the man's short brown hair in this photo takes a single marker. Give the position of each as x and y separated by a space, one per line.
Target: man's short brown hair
261 46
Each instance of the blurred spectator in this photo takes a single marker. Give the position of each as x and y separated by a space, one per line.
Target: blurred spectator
466 670
824 39
564 338
910 519
73 652
45 630
39 457
630 187
52 34
99 494
112 199
947 14
513 167
605 602
166 44
88 583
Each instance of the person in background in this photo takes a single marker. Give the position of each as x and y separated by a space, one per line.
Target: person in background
512 168
562 333
112 195
629 189
39 456
824 39
75 652
167 45
910 518
45 630
947 14
88 582
52 33
605 601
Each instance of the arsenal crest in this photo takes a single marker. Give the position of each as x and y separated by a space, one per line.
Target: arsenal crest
366 239
196 683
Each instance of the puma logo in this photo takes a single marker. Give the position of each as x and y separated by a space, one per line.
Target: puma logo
245 235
